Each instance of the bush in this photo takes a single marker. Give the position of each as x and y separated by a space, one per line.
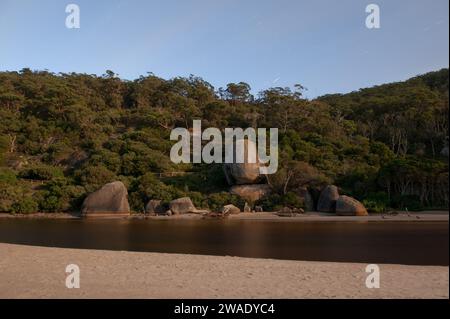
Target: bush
50 203
59 196
3 148
7 175
275 202
149 187
94 177
376 202
25 206
41 172
217 200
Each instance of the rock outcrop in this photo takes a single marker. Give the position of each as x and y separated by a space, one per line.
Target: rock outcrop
308 200
327 199
348 206
230 209
251 193
111 198
246 172
155 207
184 206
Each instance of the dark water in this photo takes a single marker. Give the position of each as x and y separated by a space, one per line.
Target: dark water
414 243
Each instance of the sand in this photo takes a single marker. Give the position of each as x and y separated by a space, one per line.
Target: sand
39 272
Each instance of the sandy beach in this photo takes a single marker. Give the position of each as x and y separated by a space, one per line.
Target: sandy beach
39 272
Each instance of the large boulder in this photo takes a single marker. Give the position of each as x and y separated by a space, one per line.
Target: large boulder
230 209
184 206
251 193
111 198
327 199
155 207
348 206
308 200
244 173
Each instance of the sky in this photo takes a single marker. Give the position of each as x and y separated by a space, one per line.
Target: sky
322 44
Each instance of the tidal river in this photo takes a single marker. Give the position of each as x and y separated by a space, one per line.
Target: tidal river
411 243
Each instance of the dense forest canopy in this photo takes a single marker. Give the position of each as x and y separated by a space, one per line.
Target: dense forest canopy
63 136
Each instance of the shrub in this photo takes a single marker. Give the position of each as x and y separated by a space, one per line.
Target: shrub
3 148
275 202
59 196
50 203
376 202
94 177
41 172
217 200
7 175
24 206
148 187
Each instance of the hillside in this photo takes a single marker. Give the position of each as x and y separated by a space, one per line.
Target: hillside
62 136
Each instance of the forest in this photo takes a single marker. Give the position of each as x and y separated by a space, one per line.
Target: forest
63 136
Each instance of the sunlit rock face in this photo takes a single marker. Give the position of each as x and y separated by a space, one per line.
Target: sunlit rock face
348 206
246 172
184 205
230 209
111 198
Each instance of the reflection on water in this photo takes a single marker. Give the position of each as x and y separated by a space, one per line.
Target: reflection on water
416 243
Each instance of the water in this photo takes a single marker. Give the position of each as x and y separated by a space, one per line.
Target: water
413 243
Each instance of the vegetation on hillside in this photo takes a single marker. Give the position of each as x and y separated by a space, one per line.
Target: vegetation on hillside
63 136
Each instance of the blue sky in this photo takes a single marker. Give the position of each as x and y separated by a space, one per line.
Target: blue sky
322 44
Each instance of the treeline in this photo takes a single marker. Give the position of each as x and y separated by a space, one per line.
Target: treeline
62 136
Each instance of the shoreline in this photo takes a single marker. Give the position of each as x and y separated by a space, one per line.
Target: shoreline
424 216
122 274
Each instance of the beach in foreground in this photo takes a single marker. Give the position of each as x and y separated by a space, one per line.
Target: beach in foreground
39 272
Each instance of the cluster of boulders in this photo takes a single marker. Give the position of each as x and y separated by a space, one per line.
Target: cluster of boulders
331 202
113 198
178 206
245 178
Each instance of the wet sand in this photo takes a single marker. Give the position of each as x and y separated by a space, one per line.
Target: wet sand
39 272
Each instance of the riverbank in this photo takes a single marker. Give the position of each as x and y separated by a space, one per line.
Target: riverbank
39 272
433 216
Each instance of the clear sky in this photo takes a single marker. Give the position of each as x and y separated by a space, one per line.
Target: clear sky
322 44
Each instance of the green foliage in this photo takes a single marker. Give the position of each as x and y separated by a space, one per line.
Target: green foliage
3 148
94 177
25 205
7 175
149 187
41 172
217 200
376 202
276 201
76 132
